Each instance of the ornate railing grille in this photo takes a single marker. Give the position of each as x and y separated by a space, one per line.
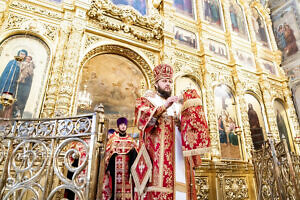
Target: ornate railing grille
36 156
277 172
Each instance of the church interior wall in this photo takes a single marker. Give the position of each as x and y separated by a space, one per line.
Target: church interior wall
208 50
90 37
286 27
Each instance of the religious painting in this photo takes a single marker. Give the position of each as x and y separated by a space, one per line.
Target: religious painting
56 1
260 29
113 81
269 67
244 59
293 73
22 58
237 17
276 3
217 48
185 7
286 29
229 138
296 97
212 12
139 5
256 121
282 122
185 37
184 83
263 2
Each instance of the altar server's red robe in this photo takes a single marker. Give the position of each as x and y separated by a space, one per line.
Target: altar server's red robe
120 155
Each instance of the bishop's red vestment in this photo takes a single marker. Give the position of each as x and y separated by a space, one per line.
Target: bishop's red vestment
170 169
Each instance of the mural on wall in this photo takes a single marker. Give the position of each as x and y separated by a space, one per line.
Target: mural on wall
286 29
226 119
213 13
244 59
256 121
185 37
269 67
276 3
237 17
139 5
282 122
22 57
293 73
297 100
56 1
218 48
263 2
260 28
185 7
115 82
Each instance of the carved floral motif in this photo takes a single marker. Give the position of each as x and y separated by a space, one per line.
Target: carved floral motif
236 188
103 11
27 24
202 188
36 9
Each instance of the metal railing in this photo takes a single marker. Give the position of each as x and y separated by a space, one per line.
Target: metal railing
37 154
277 172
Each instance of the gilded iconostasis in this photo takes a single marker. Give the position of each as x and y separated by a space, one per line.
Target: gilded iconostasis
226 51
62 58
286 27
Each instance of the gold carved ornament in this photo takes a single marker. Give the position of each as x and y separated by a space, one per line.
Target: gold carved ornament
103 11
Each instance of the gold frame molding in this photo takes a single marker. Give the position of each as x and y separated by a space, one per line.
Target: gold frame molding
104 11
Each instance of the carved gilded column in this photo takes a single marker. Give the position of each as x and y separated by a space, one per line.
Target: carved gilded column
248 14
56 72
271 116
67 84
227 23
240 95
211 115
276 52
167 54
292 116
271 34
3 11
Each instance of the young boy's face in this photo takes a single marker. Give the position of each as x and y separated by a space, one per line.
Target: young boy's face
28 59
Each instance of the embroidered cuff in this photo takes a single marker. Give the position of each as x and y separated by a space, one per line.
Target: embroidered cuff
159 111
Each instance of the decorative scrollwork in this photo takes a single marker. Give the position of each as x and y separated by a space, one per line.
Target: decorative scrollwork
28 160
236 188
65 127
45 128
202 188
79 151
2 152
82 125
130 20
5 129
38 153
26 128
22 191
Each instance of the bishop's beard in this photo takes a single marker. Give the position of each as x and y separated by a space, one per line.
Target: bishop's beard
163 93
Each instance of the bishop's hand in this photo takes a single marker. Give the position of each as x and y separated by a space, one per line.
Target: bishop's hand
170 101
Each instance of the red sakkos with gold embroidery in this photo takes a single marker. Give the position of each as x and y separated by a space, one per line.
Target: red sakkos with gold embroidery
194 129
160 146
